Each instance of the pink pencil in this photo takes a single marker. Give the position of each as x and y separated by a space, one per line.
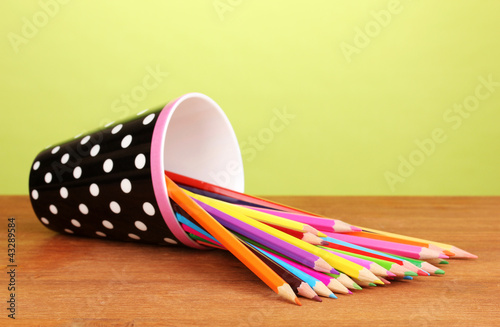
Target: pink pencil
323 224
405 250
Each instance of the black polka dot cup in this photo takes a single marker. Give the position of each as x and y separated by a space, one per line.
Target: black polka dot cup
110 183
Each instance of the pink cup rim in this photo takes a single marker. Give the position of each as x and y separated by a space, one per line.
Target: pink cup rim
158 165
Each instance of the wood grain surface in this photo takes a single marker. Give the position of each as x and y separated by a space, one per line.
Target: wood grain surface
72 281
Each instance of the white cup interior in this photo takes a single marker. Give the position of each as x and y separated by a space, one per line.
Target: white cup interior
193 137
200 143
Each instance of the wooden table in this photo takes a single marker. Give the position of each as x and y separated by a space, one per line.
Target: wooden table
65 280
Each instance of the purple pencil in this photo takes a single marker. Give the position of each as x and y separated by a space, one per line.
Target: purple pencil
270 241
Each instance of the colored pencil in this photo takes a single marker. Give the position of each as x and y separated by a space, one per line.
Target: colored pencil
424 265
275 220
376 269
306 237
335 261
314 283
394 268
322 224
405 250
381 237
344 246
184 221
261 236
298 285
332 283
459 253
238 249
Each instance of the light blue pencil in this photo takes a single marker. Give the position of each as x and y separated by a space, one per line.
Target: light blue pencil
318 286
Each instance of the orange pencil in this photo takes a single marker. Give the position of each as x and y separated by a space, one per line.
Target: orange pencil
230 242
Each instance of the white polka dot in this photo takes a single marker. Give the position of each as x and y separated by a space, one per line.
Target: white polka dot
85 139
69 231
48 178
126 141
94 189
140 225
53 209
107 224
135 237
169 240
109 124
141 112
54 150
95 150
34 194
115 207
116 129
148 119
75 223
64 192
65 158
83 208
126 185
44 220
140 161
100 234
108 165
148 208
36 165
77 172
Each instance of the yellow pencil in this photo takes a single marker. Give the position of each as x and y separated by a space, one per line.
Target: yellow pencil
346 266
230 242
275 220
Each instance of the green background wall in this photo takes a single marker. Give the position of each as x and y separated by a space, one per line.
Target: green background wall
371 97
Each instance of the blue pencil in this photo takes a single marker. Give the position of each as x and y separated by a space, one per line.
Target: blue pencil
315 284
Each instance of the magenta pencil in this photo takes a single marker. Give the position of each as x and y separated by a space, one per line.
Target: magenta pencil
405 250
200 235
323 224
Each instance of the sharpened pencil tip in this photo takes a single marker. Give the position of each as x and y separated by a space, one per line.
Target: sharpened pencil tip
298 302
422 272
390 274
408 277
378 281
321 234
443 256
439 272
448 253
316 298
372 284
349 292
356 229
410 273
357 287
332 296
443 262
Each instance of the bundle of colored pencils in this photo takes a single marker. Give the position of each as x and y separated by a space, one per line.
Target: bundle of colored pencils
299 253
